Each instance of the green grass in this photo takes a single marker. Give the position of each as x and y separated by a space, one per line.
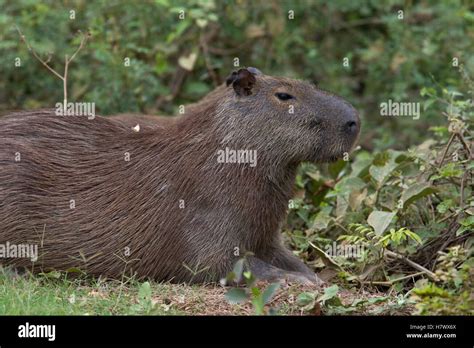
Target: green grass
45 295
58 294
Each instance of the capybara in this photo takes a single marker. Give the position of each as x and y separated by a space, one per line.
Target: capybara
179 202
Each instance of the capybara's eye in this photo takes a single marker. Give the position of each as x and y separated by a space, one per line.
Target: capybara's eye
284 96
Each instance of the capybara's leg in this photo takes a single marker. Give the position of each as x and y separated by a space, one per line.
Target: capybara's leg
265 271
283 258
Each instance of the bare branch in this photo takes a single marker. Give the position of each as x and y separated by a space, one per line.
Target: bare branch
50 56
466 146
204 40
23 38
67 60
84 39
393 281
446 149
412 263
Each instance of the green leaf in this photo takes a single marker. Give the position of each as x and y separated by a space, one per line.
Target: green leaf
430 290
415 192
74 270
255 291
164 3
444 206
322 219
269 292
384 164
52 274
449 170
258 305
439 130
236 295
237 270
467 225
379 220
180 28
348 185
305 298
380 173
412 235
428 103
161 64
335 302
250 278
356 198
144 293
336 167
381 159
360 166
358 302
427 91
329 293
377 299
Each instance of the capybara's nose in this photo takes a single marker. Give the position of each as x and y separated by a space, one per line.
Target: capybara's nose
351 122
351 127
341 114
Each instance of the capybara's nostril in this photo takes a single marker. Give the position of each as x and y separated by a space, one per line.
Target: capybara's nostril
351 127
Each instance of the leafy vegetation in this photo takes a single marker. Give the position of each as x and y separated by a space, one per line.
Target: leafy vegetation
410 212
259 298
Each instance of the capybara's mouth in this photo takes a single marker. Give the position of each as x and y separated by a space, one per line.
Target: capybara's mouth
333 159
340 151
317 158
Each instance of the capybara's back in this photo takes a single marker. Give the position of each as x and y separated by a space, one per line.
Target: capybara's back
90 194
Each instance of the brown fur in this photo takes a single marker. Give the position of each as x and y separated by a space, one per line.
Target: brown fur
135 205
144 121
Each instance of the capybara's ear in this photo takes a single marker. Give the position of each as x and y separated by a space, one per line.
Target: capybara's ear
242 80
254 71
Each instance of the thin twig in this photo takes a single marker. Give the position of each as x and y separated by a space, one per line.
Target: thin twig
67 60
447 217
412 263
357 23
176 84
391 282
23 38
463 141
204 40
84 39
446 149
461 205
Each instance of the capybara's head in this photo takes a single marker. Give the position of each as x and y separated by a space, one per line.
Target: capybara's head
293 117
